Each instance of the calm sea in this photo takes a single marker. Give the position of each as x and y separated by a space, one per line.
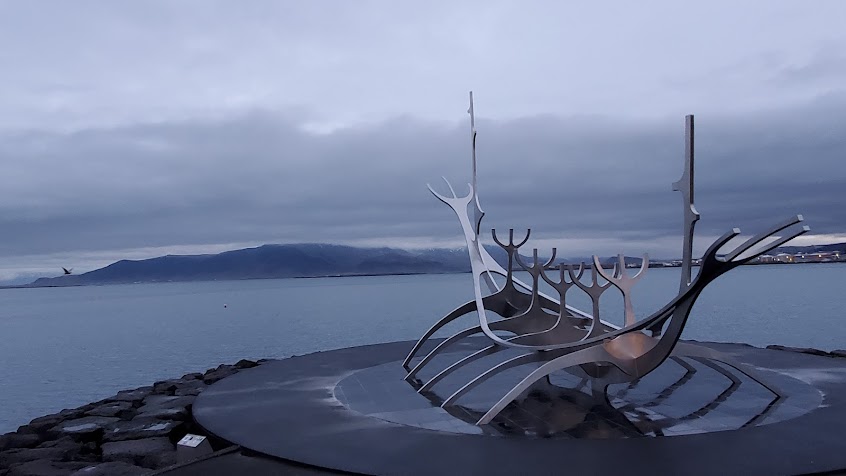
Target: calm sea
63 347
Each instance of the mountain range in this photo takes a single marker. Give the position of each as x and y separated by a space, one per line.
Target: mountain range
301 260
274 261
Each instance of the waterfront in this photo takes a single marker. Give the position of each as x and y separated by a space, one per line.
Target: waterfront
63 347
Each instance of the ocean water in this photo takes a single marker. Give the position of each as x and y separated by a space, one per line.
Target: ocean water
63 347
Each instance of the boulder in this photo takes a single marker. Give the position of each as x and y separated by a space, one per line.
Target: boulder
838 353
221 372
139 428
46 468
74 450
42 424
193 376
165 407
111 409
113 468
64 441
802 350
245 364
158 413
150 453
131 395
190 388
166 387
18 440
165 401
83 429
12 457
76 412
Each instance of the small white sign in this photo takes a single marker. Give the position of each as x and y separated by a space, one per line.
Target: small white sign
191 440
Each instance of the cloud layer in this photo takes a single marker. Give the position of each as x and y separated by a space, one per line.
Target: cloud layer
586 184
132 130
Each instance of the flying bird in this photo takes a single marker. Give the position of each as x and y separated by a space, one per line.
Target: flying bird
67 271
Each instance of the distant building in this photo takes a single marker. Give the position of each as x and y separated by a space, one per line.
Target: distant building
784 258
766 259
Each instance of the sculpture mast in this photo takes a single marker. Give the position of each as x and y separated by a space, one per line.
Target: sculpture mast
691 216
473 139
477 208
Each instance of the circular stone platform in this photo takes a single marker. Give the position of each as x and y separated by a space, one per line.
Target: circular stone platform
351 410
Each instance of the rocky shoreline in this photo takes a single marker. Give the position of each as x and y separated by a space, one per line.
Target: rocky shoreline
131 433
134 432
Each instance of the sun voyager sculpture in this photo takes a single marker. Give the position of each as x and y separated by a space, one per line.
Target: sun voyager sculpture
549 335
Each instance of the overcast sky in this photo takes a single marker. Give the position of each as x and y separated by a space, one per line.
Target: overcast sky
135 129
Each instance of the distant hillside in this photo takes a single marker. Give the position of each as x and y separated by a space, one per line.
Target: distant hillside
303 260
272 261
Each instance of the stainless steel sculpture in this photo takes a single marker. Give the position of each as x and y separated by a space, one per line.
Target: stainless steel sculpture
554 336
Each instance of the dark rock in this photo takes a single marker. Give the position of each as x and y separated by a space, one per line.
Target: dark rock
85 428
136 429
150 453
245 364
193 376
190 388
64 441
166 387
74 450
807 350
802 350
131 395
18 440
112 409
838 353
90 447
45 423
76 412
165 407
24 430
264 361
180 414
114 468
41 424
13 457
219 373
165 401
45 468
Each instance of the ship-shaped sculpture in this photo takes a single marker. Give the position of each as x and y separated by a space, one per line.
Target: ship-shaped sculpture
551 335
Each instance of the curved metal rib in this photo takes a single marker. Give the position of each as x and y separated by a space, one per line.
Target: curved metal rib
504 325
692 350
509 325
569 360
465 308
594 290
491 349
624 282
445 343
562 286
505 365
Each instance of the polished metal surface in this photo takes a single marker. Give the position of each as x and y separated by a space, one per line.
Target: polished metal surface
483 266
689 214
553 336
623 282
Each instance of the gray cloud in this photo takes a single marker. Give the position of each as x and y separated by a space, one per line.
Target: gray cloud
75 65
598 184
136 129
